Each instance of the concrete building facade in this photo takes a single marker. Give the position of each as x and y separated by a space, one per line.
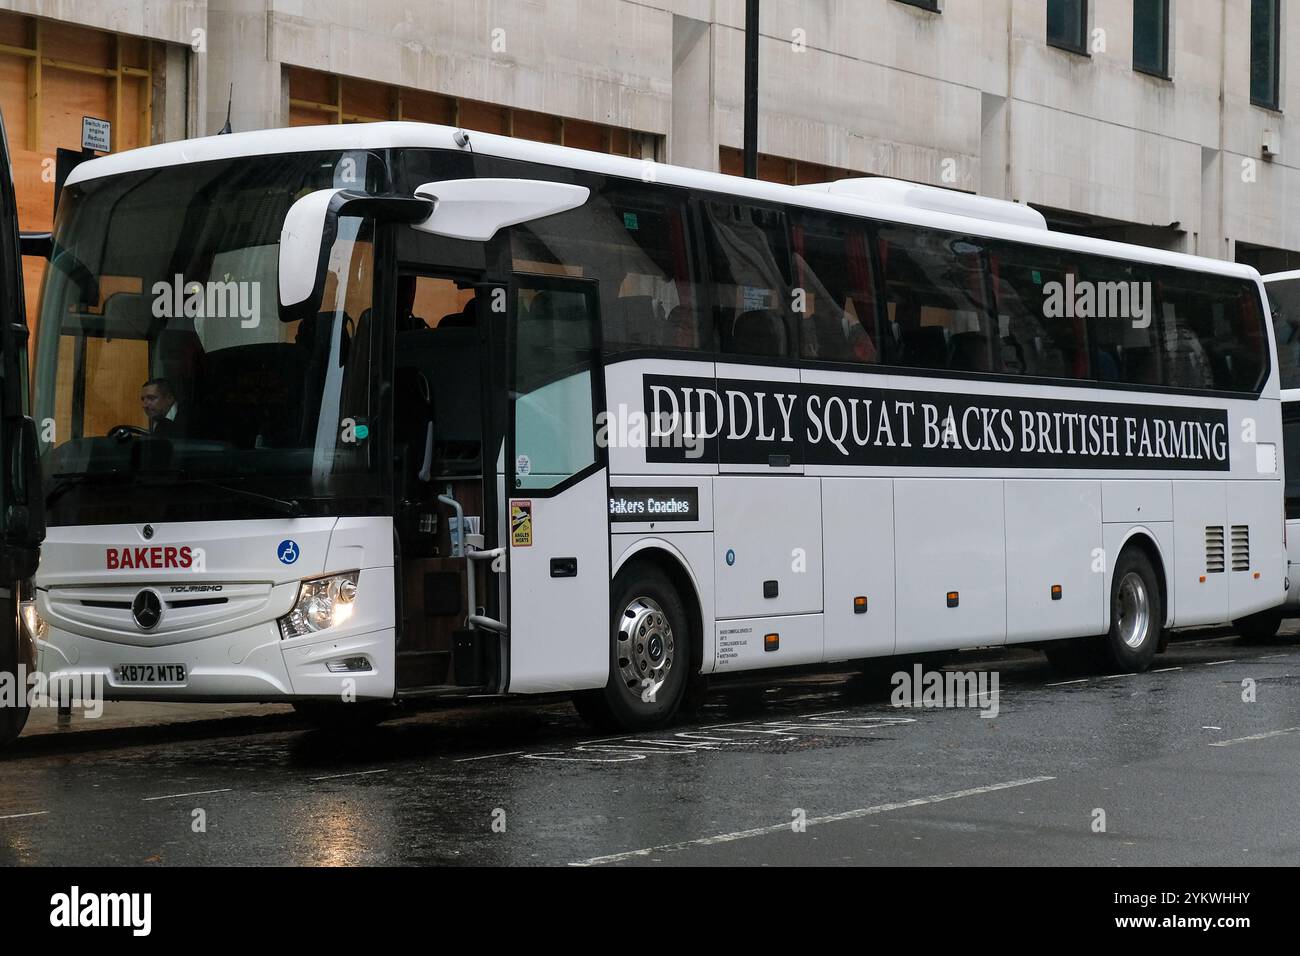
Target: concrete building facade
968 94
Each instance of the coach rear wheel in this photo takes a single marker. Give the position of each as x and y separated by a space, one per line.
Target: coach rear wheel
650 658
1137 614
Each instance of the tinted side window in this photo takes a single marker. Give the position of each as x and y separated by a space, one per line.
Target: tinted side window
1291 456
749 264
1037 334
1124 336
635 240
835 291
937 313
1212 330
1284 299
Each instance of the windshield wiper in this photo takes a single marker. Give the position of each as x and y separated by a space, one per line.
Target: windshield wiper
67 481
285 506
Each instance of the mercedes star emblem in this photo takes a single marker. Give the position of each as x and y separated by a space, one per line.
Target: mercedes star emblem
147 610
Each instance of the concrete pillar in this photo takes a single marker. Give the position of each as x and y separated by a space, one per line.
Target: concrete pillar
238 41
693 140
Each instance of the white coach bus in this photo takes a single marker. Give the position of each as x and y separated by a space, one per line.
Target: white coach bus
394 410
1284 300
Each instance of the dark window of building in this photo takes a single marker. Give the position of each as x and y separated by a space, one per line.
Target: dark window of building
1265 55
936 307
835 289
1067 24
749 268
1151 37
931 5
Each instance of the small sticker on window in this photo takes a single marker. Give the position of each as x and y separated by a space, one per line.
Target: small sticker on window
1038 277
755 299
631 222
523 465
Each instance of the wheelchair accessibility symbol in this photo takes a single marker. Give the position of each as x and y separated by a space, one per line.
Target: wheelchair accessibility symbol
287 551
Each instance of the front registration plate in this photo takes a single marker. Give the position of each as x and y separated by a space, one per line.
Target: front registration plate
149 674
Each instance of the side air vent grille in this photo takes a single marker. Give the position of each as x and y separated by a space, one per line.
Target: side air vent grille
1241 547
1214 549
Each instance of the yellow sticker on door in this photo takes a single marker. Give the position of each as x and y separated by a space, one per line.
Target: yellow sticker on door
521 524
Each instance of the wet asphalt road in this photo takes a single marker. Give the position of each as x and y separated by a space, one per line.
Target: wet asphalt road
1184 770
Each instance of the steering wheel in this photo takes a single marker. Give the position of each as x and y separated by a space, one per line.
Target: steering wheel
123 432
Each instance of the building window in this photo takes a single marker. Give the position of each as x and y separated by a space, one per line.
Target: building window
316 98
1265 52
1151 37
1067 24
930 5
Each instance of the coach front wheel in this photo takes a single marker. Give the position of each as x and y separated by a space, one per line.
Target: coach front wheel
650 655
13 684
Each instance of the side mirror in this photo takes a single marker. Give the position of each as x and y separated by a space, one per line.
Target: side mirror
310 228
475 209
24 512
40 244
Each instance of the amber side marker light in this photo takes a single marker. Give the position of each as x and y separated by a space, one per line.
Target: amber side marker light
953 598
771 642
859 605
1056 592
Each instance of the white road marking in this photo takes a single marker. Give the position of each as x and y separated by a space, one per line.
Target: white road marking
195 793
1271 657
513 753
1166 670
1242 740
1207 727
1212 663
1062 683
19 816
811 821
359 773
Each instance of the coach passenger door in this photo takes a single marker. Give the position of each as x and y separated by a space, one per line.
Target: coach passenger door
557 485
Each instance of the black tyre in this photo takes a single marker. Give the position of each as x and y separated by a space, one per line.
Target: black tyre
1137 614
1136 625
649 655
1260 627
340 717
13 691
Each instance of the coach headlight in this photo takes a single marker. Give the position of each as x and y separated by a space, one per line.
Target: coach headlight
32 620
322 603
